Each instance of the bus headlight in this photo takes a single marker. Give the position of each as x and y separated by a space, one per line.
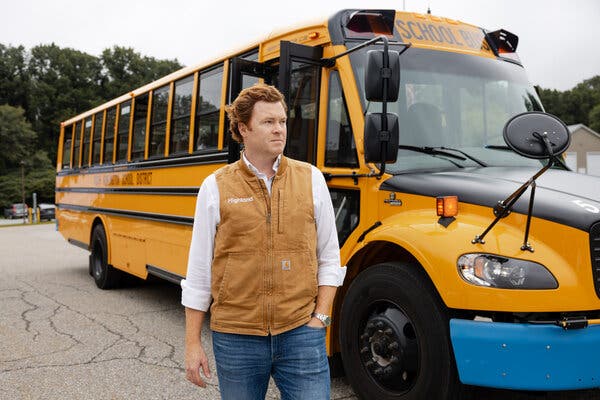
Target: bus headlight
503 272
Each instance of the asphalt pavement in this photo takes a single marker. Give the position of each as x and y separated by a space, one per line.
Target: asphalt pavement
63 338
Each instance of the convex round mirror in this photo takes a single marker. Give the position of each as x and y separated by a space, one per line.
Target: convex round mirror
524 134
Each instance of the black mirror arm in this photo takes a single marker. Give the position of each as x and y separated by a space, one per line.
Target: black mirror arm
330 62
502 209
543 137
526 245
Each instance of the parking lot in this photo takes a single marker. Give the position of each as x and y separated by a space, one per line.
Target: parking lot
62 338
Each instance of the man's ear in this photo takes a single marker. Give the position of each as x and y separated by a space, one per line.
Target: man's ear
243 129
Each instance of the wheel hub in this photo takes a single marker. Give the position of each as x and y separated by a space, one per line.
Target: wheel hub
389 349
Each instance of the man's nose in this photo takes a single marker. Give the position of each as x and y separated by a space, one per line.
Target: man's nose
280 127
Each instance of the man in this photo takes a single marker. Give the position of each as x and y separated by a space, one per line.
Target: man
265 251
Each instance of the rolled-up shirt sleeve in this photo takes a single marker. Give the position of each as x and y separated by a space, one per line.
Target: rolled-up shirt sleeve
196 286
330 272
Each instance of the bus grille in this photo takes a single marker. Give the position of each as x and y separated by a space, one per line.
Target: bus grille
595 253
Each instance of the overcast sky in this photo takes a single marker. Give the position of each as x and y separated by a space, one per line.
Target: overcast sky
558 40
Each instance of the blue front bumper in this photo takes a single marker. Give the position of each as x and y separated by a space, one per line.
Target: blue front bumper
525 356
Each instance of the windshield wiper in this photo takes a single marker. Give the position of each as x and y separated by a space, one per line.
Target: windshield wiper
443 151
431 150
434 152
470 157
497 147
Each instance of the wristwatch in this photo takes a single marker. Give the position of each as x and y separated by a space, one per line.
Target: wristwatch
325 319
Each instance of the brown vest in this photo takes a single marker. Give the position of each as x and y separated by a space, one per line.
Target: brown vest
264 271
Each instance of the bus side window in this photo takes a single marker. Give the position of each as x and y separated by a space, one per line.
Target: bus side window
303 108
346 210
67 140
208 109
76 140
97 140
180 120
123 131
340 149
109 136
85 145
140 114
158 126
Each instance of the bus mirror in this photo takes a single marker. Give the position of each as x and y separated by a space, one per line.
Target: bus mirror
537 135
375 74
381 146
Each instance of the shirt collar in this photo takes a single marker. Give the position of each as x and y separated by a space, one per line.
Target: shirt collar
255 170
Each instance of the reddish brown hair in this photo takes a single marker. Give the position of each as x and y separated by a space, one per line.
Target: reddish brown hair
240 111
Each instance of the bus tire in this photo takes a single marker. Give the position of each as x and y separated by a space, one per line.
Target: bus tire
104 274
394 336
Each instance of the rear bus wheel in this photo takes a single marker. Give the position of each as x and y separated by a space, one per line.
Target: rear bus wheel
394 336
104 274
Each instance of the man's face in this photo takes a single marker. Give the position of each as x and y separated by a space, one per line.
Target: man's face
266 132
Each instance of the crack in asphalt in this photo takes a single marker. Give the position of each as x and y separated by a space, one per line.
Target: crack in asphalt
24 315
125 333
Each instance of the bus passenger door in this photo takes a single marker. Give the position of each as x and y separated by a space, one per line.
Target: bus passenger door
341 157
299 81
245 73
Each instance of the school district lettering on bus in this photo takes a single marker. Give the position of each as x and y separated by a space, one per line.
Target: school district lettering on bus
443 33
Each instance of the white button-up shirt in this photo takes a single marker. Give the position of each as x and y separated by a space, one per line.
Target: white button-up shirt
196 291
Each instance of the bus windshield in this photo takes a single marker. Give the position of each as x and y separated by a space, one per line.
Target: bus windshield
455 101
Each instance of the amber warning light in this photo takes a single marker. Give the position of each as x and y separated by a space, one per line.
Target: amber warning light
363 24
446 206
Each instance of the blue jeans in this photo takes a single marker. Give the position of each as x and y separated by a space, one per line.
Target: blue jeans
296 359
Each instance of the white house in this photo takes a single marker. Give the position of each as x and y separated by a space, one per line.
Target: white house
583 154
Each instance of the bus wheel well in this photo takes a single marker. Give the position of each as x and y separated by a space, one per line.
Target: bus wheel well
378 253
95 222
372 254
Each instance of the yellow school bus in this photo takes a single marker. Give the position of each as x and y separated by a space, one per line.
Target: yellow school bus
460 271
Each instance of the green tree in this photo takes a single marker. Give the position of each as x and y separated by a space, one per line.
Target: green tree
126 70
10 189
17 145
64 82
17 138
40 181
594 118
14 79
51 84
573 106
551 99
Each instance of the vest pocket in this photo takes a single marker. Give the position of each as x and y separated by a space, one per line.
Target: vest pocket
240 289
296 274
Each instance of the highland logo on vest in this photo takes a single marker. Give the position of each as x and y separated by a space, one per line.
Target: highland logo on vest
286 265
236 200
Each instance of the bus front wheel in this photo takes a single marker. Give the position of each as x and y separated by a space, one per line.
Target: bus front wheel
394 336
104 274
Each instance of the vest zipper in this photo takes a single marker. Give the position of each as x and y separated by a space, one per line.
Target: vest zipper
269 266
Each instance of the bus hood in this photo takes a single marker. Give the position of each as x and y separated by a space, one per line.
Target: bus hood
561 196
